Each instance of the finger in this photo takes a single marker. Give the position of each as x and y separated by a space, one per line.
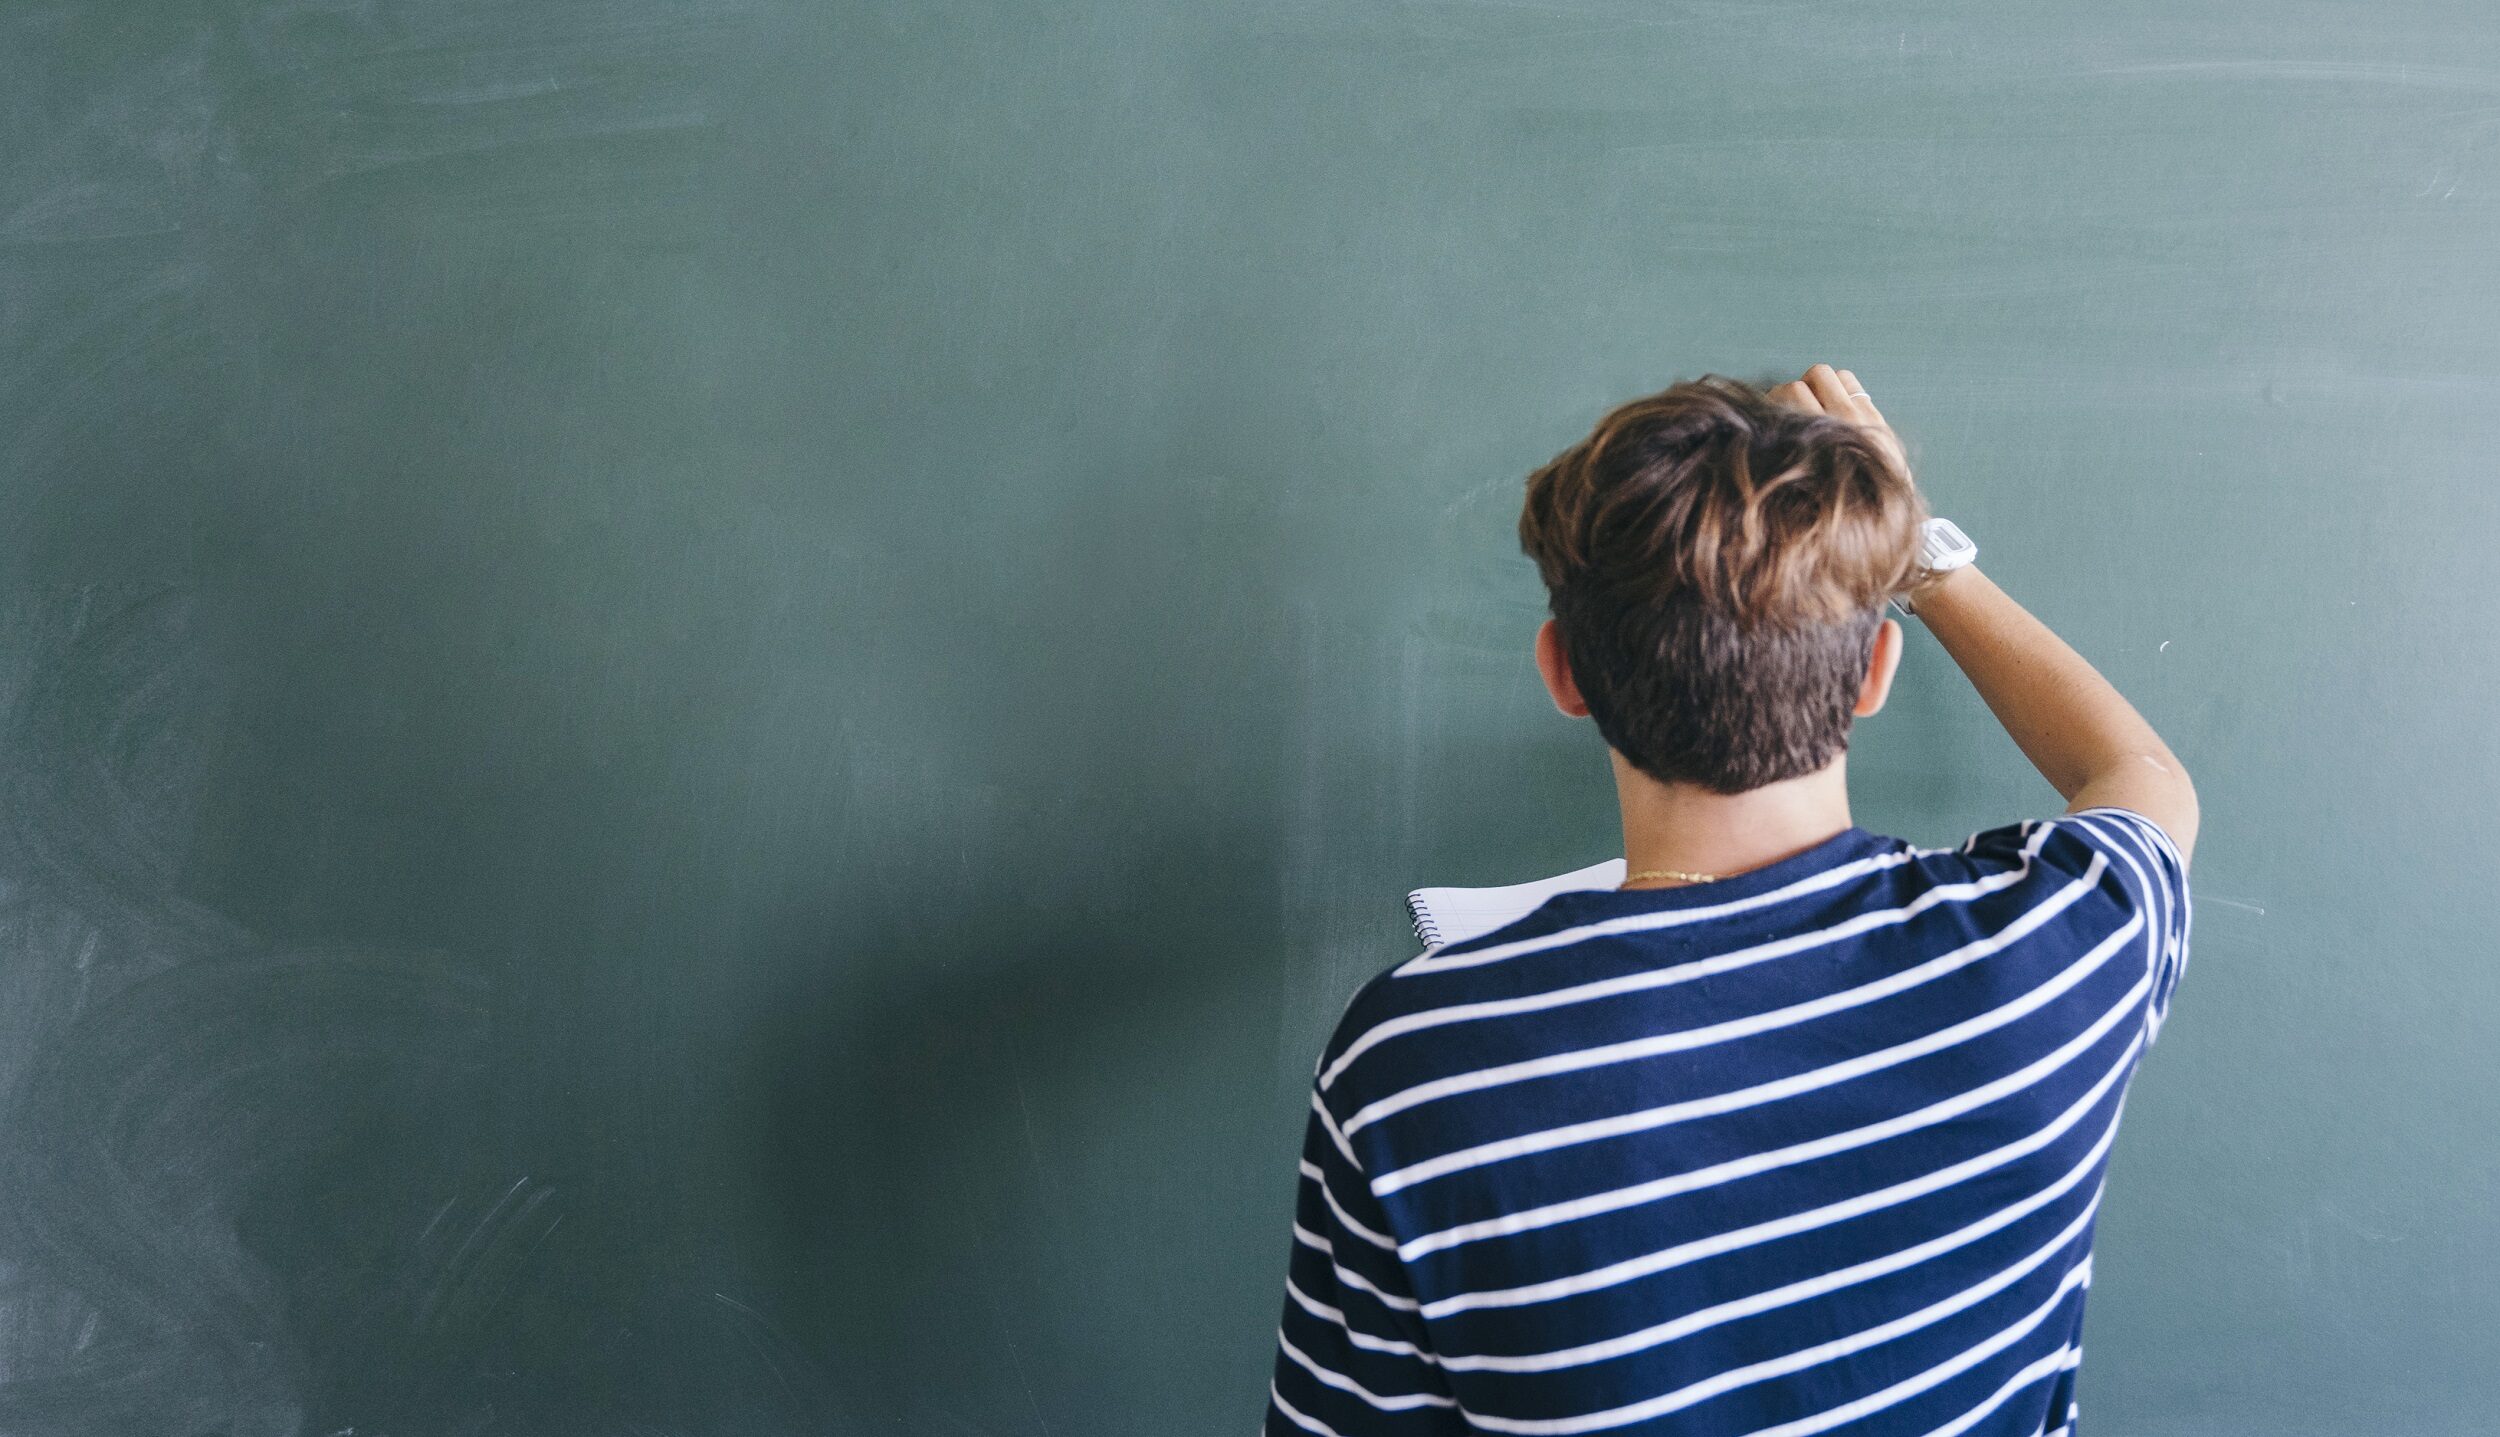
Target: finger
1858 396
1867 414
1825 382
1795 395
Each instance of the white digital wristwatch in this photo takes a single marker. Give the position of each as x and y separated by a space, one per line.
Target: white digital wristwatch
1942 548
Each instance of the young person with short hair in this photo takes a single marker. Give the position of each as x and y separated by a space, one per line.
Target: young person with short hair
1804 1128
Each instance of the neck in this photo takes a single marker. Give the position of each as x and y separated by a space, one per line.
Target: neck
1689 829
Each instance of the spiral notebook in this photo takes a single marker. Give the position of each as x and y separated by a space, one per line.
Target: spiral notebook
1453 915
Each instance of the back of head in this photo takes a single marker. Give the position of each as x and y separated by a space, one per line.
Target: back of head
1718 565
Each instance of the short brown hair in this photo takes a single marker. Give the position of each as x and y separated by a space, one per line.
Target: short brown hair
1718 565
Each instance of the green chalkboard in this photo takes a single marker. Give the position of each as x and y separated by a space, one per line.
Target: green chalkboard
707 700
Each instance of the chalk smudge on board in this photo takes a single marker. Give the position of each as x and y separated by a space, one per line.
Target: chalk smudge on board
163 1063
2341 72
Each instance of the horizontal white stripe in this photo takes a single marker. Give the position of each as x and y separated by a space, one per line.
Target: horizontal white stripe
1656 1189
1307 1424
1596 1129
2128 841
1388 1402
1680 973
1337 1317
1824 1421
1350 1278
2151 830
2052 1362
1328 1124
1799 1291
2155 893
1438 961
2168 877
2172 877
1687 1039
2178 956
1344 1219
1793 1362
2159 940
2159 850
1718 1243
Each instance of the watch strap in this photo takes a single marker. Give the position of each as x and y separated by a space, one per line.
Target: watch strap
1942 548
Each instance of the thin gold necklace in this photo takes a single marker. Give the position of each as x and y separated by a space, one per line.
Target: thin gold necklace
1678 874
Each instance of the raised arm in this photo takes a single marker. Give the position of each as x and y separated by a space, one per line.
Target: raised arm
2081 733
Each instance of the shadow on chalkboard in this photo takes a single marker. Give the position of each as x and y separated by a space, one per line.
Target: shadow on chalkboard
964 1150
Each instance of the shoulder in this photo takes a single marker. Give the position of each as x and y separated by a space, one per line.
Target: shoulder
2100 868
1382 1000
1412 1000
2093 840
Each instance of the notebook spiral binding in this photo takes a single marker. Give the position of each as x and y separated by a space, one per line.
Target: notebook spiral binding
1425 928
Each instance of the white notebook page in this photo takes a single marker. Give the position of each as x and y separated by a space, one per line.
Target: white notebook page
1454 915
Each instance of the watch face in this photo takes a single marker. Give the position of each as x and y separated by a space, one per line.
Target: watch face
1943 545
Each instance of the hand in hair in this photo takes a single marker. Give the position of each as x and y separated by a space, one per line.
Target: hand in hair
2083 736
1836 392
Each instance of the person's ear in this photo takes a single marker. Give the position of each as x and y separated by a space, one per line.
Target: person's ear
1556 668
1881 665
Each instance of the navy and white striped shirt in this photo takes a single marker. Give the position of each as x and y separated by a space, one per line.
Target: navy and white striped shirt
1816 1148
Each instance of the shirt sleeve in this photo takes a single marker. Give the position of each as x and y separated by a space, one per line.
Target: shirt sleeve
1352 1356
2137 869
